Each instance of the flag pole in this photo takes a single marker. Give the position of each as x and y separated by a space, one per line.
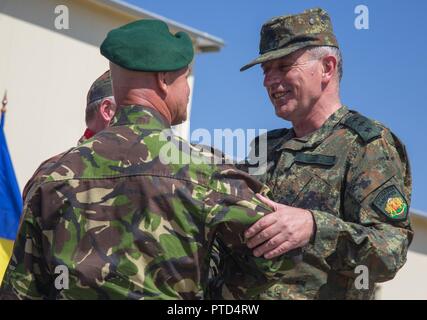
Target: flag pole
4 102
3 109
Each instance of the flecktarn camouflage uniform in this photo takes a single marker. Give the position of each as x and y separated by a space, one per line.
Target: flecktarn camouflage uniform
353 174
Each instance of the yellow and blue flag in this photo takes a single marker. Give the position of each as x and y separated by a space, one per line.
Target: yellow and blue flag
10 202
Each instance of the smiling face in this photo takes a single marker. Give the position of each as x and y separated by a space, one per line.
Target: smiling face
294 84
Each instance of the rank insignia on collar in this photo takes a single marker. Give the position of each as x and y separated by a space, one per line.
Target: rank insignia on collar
392 204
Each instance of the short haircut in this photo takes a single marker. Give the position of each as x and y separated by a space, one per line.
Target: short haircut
93 107
318 52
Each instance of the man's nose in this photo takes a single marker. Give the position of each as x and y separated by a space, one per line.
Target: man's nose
271 78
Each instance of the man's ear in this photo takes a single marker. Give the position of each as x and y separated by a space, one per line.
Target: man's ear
329 67
107 109
162 83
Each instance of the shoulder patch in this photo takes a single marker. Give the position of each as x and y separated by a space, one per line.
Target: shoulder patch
391 203
364 127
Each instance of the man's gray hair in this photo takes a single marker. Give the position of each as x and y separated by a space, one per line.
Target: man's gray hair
93 107
320 52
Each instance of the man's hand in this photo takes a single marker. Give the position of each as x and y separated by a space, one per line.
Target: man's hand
284 229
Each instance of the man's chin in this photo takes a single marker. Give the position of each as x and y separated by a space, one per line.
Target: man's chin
283 112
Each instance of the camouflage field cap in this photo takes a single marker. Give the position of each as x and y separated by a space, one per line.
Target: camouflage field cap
283 35
101 88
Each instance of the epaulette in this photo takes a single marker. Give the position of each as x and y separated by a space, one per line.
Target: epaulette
367 129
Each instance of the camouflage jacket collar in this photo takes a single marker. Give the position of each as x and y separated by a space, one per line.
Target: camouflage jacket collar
315 138
140 115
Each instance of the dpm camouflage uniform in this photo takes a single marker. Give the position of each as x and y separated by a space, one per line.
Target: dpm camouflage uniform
40 172
128 226
353 175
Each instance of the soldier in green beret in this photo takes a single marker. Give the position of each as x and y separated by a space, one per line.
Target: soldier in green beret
341 181
113 219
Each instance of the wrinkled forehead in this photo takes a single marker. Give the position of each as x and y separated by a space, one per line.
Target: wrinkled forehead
289 59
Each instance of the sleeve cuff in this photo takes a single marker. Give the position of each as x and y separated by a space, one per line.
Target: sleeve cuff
325 235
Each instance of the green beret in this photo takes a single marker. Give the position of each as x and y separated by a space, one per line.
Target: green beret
148 45
286 34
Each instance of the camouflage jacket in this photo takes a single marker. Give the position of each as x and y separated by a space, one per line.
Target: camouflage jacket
353 175
39 174
126 224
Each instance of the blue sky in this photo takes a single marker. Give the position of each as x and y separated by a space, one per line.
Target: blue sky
385 67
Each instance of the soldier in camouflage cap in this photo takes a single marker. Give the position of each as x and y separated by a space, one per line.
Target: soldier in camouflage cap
100 105
100 109
341 182
124 222
282 36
